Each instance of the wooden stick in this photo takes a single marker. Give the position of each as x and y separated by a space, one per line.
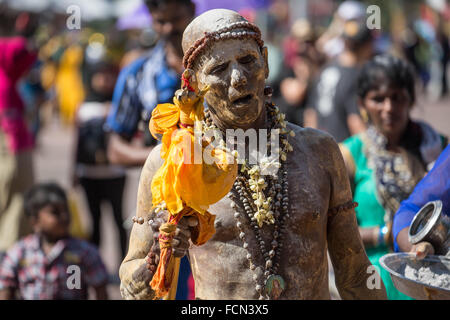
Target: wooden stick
173 289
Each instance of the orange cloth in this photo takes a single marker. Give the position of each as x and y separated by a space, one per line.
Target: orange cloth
187 188
182 183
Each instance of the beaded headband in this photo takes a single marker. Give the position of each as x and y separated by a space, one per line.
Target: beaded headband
225 33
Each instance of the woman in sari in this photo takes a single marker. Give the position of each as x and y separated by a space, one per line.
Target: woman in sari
386 161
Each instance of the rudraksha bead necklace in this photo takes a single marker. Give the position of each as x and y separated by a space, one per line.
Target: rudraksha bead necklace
265 200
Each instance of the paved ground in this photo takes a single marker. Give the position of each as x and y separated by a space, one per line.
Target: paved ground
53 161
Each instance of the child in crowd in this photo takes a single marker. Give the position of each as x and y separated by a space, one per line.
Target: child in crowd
49 264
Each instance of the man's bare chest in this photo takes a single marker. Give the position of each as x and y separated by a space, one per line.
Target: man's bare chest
308 198
295 246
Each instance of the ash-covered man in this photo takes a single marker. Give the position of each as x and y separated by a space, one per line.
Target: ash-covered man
281 251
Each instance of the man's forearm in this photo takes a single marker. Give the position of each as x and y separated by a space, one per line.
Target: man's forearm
355 277
135 280
364 284
353 270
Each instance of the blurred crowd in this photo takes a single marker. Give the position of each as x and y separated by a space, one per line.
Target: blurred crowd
103 80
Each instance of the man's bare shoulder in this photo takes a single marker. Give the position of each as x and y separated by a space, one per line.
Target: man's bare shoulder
313 141
154 160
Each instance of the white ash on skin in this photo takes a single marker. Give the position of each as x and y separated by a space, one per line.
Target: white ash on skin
436 275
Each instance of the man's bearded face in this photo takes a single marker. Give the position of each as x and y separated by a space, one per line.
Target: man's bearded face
236 71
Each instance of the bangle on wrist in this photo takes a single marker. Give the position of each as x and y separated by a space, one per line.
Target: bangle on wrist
381 234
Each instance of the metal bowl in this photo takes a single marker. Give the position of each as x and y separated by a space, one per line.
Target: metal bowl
395 264
432 225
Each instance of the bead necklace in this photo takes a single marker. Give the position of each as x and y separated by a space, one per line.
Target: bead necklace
257 200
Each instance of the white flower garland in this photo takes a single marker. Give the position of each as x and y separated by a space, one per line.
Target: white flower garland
257 183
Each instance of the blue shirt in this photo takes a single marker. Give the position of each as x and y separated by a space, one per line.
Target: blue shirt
140 86
434 186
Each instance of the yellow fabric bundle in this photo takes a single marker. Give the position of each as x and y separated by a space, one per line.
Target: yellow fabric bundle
186 188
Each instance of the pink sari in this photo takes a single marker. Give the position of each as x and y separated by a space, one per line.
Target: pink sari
15 61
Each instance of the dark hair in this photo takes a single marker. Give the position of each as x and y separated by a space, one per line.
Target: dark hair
397 72
90 70
42 195
356 34
158 4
